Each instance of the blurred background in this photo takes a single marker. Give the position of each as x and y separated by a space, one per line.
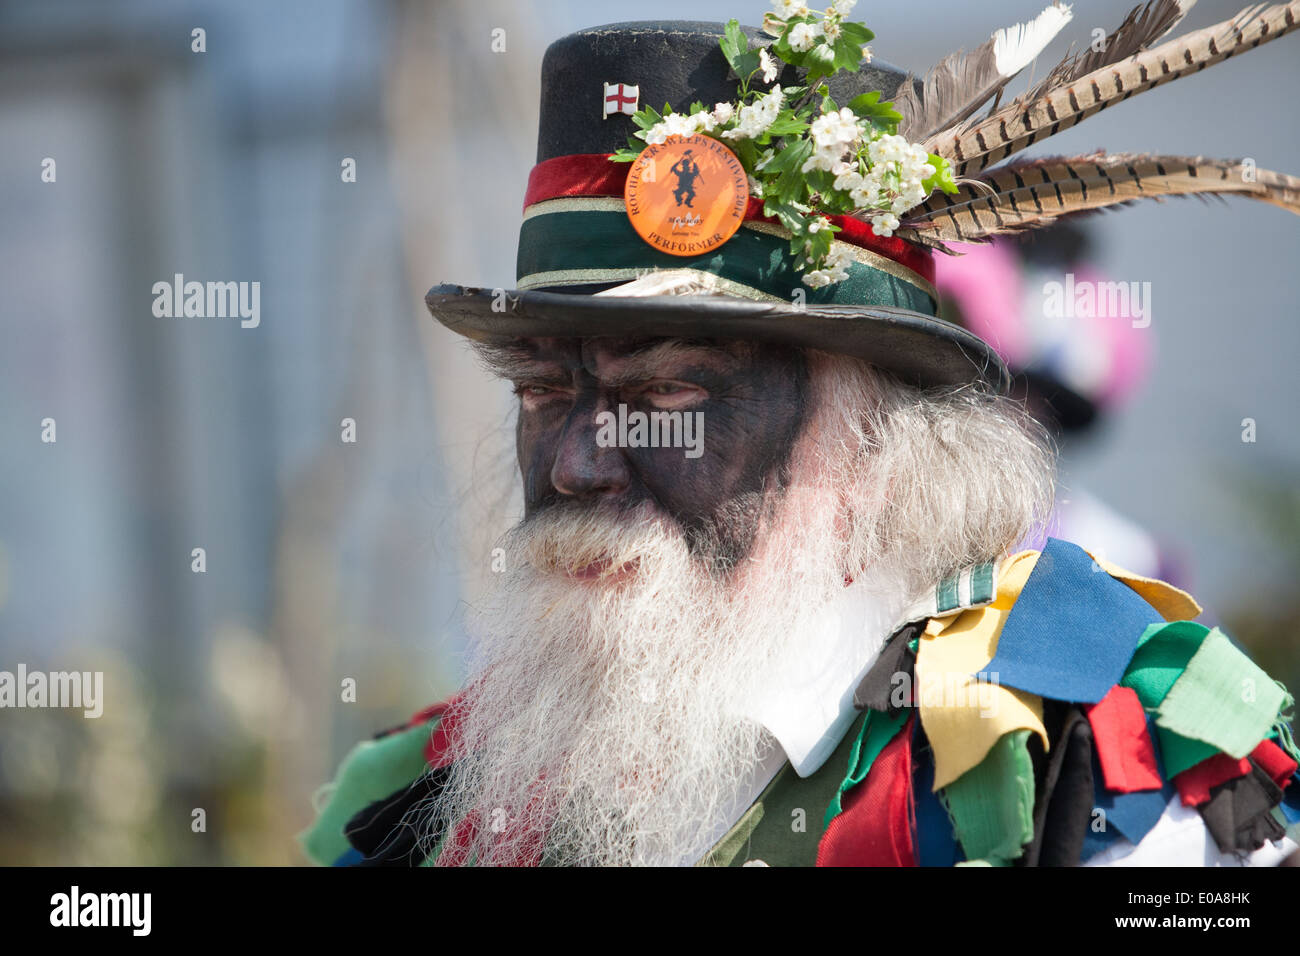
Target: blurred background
329 561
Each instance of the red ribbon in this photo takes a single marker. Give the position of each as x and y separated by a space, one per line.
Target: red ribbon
593 174
876 825
1124 748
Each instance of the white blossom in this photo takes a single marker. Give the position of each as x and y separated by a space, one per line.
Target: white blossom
866 54
804 35
767 64
843 7
723 112
786 9
679 124
756 117
884 224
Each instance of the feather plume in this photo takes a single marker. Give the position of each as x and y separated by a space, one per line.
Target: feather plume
981 143
960 83
1143 26
1031 194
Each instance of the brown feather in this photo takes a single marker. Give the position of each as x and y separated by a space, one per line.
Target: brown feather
959 84
1143 26
1031 194
982 143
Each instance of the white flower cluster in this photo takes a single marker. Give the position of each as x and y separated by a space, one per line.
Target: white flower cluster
680 124
755 118
785 9
835 268
832 134
804 35
892 183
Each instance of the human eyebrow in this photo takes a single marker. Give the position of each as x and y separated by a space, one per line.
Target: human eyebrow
648 362
516 363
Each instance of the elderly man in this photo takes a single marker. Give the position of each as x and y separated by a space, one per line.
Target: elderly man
813 639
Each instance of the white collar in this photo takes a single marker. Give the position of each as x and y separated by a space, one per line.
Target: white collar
809 704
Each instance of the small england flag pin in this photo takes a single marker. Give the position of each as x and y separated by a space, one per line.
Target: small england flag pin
620 98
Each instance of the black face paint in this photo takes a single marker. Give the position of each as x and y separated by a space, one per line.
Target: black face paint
751 400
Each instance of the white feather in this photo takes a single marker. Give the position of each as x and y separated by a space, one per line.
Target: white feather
1016 46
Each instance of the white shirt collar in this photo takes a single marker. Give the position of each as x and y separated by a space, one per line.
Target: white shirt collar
809 706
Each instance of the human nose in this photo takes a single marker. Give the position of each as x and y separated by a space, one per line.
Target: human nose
584 468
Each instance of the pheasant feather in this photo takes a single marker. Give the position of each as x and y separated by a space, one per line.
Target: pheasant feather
1030 194
960 83
981 143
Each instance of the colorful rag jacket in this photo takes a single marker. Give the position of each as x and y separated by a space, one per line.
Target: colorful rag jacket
1033 712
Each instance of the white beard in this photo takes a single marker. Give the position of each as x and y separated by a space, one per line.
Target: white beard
627 696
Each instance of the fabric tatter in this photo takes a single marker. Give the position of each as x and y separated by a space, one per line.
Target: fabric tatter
963 718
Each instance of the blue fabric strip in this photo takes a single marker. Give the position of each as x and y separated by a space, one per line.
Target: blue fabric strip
1072 631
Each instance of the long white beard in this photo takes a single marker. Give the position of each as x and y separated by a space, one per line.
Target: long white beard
610 714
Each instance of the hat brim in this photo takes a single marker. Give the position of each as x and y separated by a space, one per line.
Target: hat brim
920 349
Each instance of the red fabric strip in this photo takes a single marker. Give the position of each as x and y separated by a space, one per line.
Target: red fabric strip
879 815
1124 748
592 174
1275 762
1195 782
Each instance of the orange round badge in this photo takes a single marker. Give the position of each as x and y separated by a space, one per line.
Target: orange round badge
686 196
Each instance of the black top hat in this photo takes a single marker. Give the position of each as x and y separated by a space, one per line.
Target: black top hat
577 240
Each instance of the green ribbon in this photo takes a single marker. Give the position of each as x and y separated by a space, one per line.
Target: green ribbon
604 239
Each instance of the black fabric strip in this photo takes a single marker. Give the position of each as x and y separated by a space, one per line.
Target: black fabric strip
1239 814
385 836
1063 804
896 657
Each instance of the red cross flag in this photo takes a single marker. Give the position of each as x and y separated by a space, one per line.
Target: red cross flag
620 98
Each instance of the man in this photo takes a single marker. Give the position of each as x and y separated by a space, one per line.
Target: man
687 171
810 643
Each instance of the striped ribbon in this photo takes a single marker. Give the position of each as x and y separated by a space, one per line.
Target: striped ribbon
576 232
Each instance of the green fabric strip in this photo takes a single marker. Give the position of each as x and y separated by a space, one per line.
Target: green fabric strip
981 584
373 769
1179 753
1222 698
781 828
992 805
946 594
1163 652
605 239
877 731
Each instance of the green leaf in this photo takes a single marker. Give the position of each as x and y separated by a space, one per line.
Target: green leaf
820 61
789 214
790 184
624 155
857 34
787 124
942 179
746 151
820 180
646 117
828 105
882 115
735 48
733 42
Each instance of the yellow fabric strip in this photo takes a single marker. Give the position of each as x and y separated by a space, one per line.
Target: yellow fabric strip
964 717
1173 603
